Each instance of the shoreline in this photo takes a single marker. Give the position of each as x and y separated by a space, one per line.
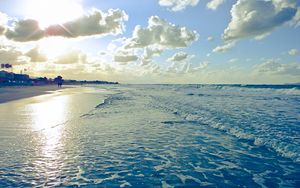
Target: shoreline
11 93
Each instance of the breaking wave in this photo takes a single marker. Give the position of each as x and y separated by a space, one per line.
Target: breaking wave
265 115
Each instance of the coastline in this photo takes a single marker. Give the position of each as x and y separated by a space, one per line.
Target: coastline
11 93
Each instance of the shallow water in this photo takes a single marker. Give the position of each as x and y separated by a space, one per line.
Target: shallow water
153 135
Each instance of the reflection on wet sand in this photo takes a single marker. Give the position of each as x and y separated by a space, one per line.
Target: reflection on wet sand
48 120
40 142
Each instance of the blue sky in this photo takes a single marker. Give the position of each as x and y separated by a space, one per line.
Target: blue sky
192 41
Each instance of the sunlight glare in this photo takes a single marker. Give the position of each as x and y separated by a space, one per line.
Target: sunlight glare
54 47
49 113
48 120
49 12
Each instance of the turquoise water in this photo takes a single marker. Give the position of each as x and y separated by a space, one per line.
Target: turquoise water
153 136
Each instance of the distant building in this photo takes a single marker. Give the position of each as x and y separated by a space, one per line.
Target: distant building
40 81
21 78
11 78
6 77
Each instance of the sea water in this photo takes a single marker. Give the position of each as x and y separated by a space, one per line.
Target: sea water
153 136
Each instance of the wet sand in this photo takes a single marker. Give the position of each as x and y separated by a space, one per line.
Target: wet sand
19 92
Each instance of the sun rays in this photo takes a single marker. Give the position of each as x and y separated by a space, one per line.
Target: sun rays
53 12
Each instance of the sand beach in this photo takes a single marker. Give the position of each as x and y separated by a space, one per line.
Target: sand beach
19 92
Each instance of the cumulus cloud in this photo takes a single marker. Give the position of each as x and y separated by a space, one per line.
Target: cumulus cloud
273 67
210 38
225 47
2 29
296 19
186 68
178 5
202 66
180 56
154 69
3 22
97 23
71 57
257 18
178 68
11 55
279 4
293 52
233 60
125 56
35 55
214 4
24 31
149 52
161 34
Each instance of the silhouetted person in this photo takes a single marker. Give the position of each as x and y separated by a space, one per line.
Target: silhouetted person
59 84
59 81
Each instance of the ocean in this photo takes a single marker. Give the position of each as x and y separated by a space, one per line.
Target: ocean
153 136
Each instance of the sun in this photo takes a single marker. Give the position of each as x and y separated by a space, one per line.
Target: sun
49 12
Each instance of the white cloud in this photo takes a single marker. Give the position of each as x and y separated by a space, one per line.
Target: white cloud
178 5
257 18
71 57
180 56
36 56
210 38
178 68
11 55
161 34
151 41
24 31
202 66
149 52
233 60
214 4
279 4
225 47
293 52
154 69
102 53
275 68
96 23
2 29
125 56
296 19
115 44
3 21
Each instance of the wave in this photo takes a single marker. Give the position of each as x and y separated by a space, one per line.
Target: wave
259 115
109 100
285 149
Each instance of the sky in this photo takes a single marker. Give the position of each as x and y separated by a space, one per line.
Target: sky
154 41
